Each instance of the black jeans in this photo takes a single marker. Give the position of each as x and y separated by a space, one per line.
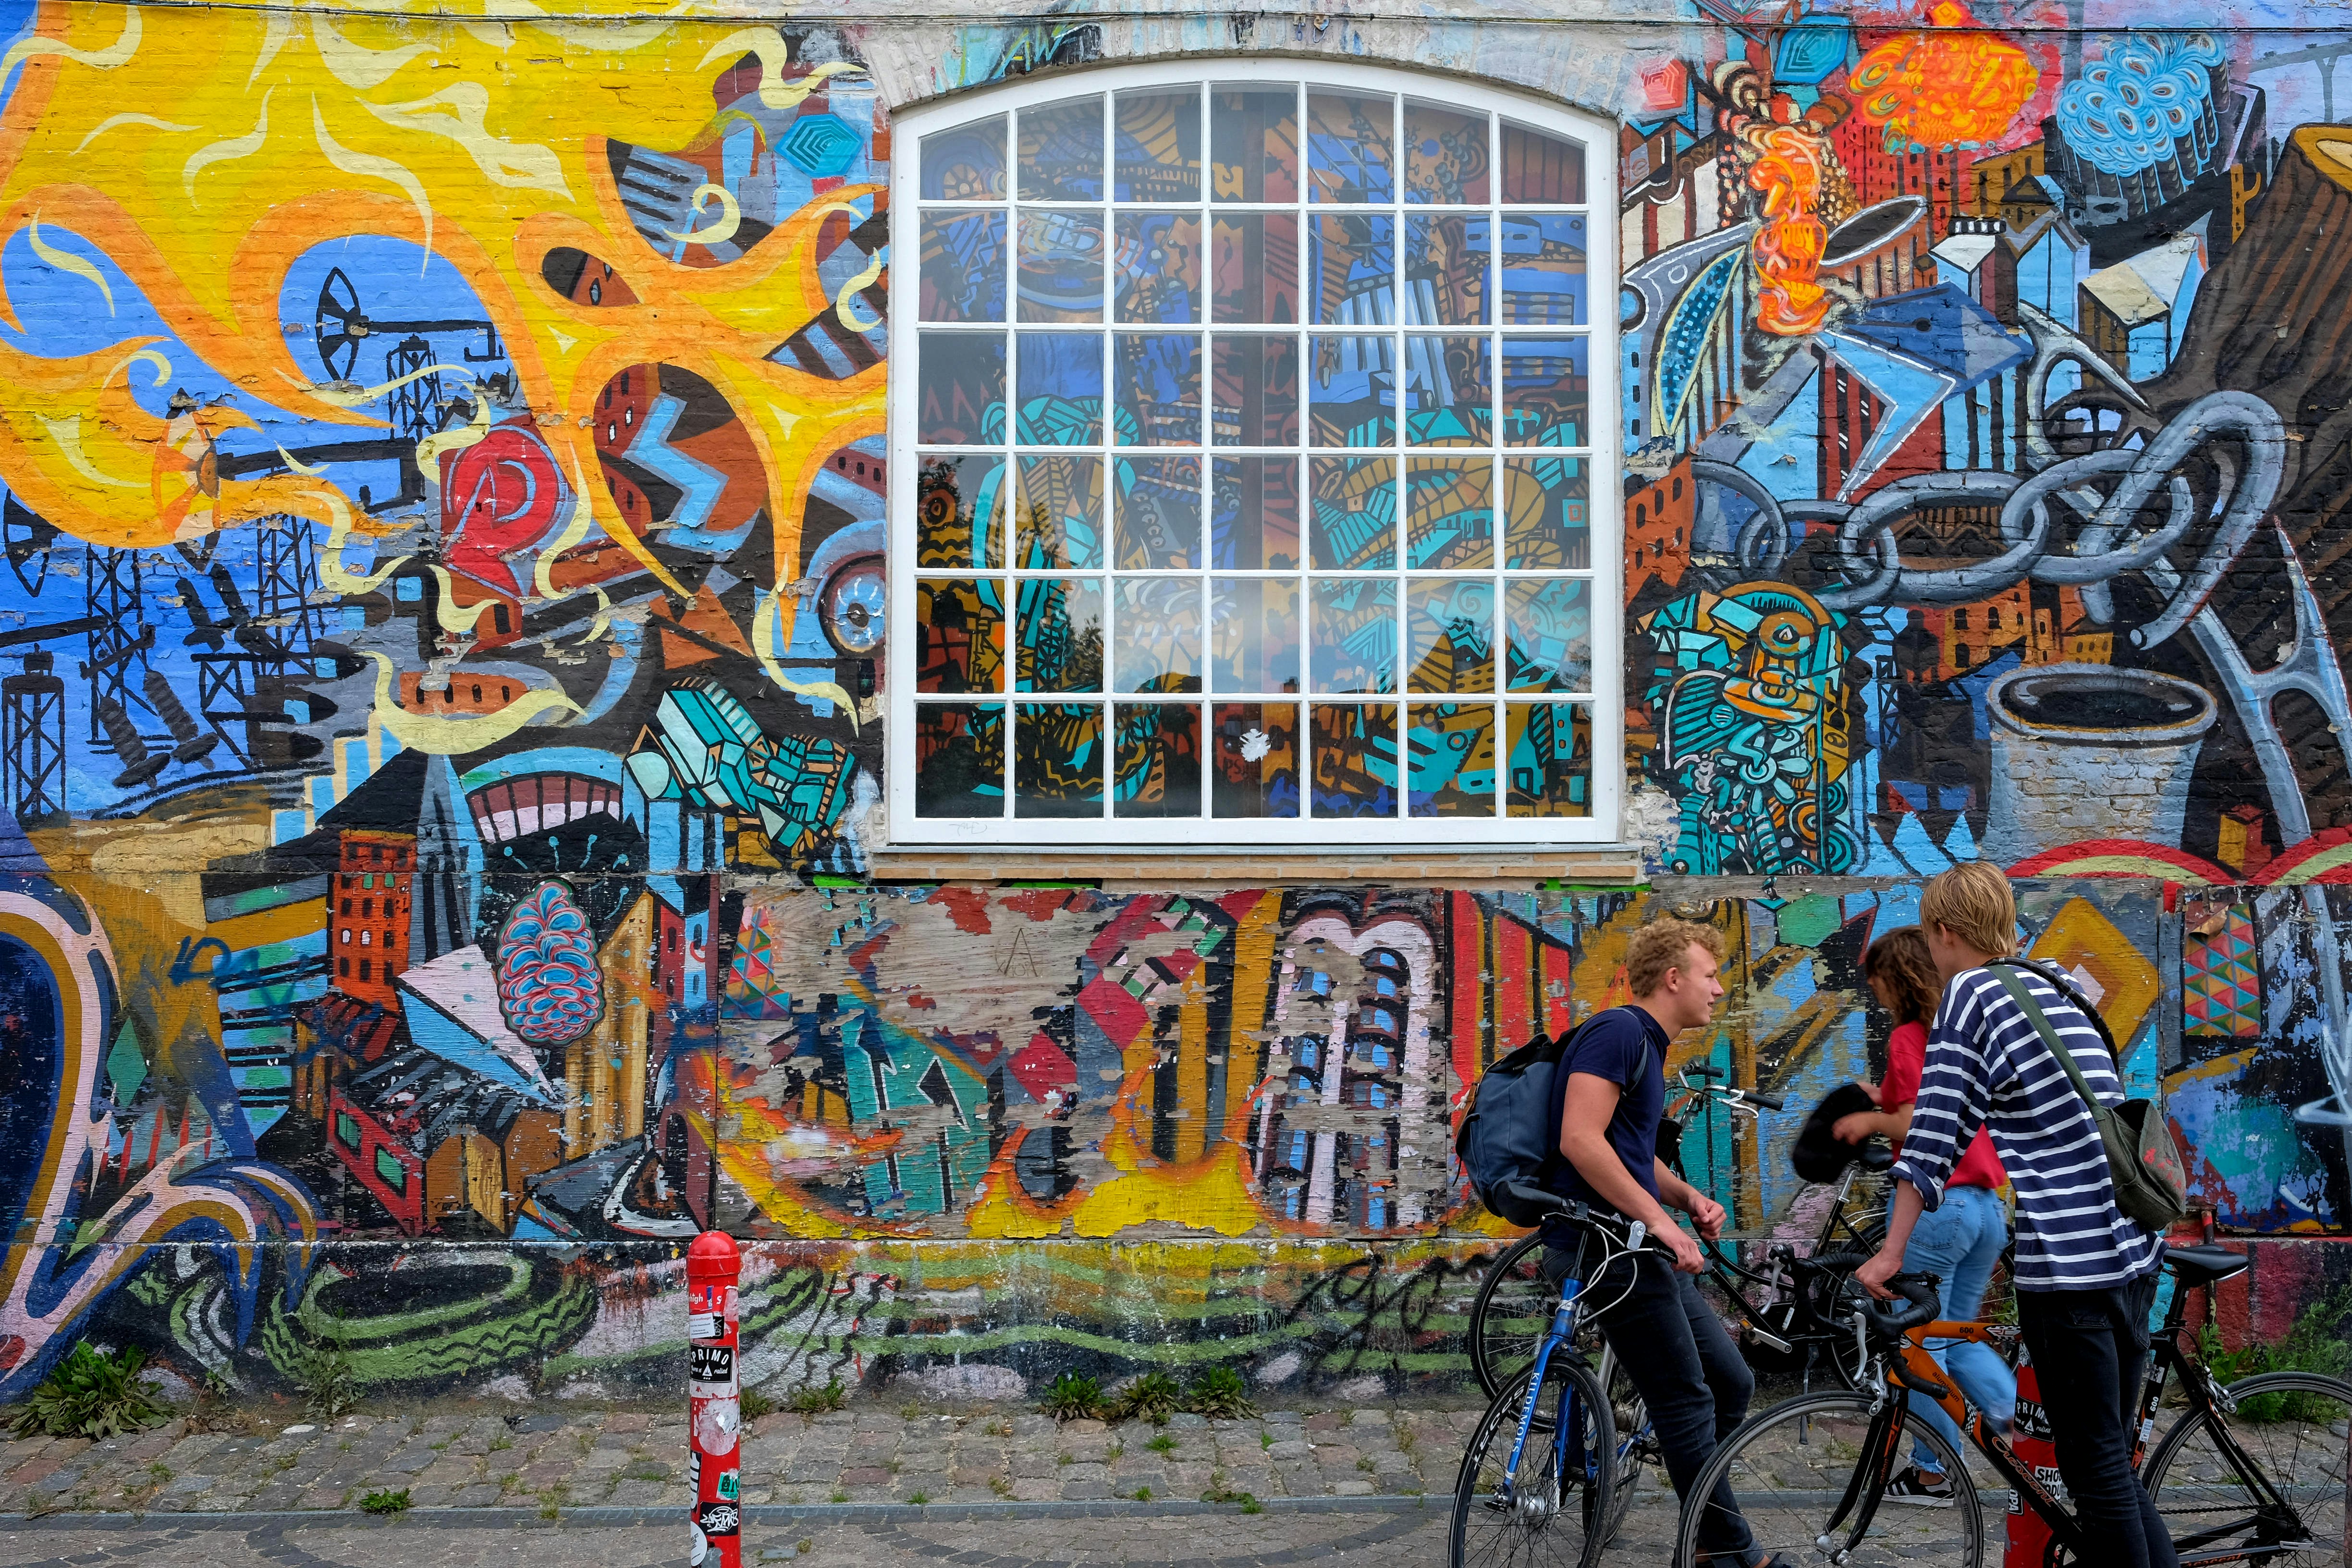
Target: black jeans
2090 1354
1688 1370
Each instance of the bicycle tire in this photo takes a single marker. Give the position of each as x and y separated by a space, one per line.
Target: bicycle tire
2206 1498
1789 1518
1503 1331
1488 1532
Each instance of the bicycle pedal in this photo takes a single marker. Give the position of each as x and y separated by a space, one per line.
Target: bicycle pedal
1772 1343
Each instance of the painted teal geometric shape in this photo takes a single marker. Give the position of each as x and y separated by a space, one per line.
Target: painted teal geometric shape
821 146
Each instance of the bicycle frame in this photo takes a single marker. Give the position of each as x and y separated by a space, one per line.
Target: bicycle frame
1567 1431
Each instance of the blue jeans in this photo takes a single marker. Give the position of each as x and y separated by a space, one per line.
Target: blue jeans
1960 1242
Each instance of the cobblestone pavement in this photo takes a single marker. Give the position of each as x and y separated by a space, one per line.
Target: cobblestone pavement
559 1461
1341 1533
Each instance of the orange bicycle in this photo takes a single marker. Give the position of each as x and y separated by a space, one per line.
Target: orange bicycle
2254 1472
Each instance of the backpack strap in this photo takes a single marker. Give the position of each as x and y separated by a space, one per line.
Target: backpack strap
2063 983
2041 1025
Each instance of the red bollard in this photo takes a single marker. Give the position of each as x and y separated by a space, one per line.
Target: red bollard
715 1432
2029 1536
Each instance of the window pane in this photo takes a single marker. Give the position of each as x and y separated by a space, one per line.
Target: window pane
1547 636
1255 769
1447 263
1061 389
1444 155
960 513
965 165
1061 513
959 759
1352 396
1057 759
1158 646
1354 505
1449 392
1352 273
1350 142
1062 152
1157 377
1549 759
961 625
1450 759
1158 146
1353 640
1059 634
1253 269
1546 524
1543 270
1255 382
1061 266
1158 265
1449 627
1355 759
1253 525
1449 514
1539 168
1546 392
1254 634
1253 143
959 394
963 265
1156 771
1159 514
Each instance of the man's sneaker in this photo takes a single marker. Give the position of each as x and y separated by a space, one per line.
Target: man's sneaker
1920 1489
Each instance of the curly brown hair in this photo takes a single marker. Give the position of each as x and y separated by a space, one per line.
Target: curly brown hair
1901 959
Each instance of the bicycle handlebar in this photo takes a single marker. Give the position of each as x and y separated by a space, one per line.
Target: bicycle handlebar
1733 1099
1918 1291
1580 1215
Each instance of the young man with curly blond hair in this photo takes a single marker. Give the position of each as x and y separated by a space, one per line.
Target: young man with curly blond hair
1613 1090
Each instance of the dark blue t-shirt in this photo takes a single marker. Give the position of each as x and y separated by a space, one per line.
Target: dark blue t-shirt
1627 1046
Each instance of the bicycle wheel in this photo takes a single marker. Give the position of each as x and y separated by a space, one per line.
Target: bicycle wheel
2291 1426
1512 1311
1790 1467
1550 1516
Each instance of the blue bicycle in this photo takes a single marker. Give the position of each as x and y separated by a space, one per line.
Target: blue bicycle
1548 1494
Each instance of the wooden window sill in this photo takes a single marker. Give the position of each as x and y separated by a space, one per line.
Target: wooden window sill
1159 868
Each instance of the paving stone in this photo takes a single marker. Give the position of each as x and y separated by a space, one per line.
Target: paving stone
1291 1448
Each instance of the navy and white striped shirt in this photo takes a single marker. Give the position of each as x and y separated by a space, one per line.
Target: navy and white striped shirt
1987 1066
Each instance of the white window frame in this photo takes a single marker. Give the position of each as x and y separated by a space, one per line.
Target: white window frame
1603 456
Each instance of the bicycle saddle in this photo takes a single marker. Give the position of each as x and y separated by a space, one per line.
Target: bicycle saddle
2204 1265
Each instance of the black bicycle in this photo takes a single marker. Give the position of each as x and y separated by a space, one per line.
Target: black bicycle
1791 1319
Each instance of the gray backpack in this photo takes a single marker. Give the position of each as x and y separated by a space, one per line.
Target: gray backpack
1510 1129
2144 1163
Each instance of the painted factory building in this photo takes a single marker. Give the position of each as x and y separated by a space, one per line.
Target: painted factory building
1002 655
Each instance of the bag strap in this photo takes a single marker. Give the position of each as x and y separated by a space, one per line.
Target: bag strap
2041 1025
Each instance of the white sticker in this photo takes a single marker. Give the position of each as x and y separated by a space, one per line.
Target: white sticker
700 1548
704 1326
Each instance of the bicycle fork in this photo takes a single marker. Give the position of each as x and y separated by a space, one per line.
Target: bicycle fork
1533 1507
1867 1485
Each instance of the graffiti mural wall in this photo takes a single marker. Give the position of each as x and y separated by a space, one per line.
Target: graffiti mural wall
444 495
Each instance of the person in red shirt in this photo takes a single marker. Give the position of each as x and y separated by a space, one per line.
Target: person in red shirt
1960 1240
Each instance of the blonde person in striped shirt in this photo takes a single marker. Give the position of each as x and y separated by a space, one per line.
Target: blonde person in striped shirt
2085 1274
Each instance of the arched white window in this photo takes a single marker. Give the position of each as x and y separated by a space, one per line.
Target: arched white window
1244 486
